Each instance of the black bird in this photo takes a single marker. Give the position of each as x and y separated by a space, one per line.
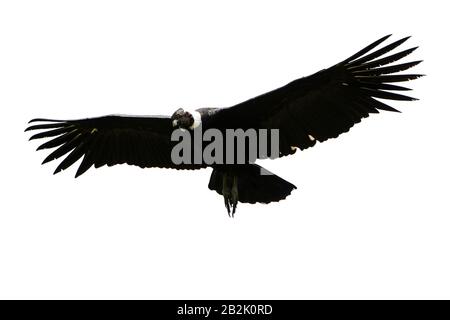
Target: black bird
310 109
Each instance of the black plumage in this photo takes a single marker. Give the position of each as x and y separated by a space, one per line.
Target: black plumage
310 109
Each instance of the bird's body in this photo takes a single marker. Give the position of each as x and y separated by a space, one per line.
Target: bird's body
307 110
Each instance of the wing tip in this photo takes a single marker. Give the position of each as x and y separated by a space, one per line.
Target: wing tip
34 137
401 41
80 171
412 49
46 160
385 37
405 38
37 120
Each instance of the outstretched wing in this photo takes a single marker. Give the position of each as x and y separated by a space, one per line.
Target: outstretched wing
109 140
327 103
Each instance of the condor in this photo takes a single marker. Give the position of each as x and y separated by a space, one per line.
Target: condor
310 109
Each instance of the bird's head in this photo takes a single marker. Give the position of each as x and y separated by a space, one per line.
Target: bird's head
182 119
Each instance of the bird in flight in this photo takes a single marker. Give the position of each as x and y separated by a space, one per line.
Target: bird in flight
310 109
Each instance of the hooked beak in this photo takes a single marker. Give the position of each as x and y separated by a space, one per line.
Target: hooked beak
174 123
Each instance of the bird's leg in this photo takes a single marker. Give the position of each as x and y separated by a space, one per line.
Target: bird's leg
226 192
234 194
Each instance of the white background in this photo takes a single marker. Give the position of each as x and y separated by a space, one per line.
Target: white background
370 217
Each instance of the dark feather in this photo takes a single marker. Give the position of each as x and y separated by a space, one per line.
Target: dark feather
383 61
387 70
50 133
390 78
86 163
46 126
386 95
47 120
66 137
65 148
378 104
76 154
382 86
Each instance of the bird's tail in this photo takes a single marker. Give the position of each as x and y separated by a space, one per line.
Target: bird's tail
254 183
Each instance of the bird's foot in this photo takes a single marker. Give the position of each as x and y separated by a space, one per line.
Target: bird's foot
226 192
227 199
234 195
231 201
230 195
